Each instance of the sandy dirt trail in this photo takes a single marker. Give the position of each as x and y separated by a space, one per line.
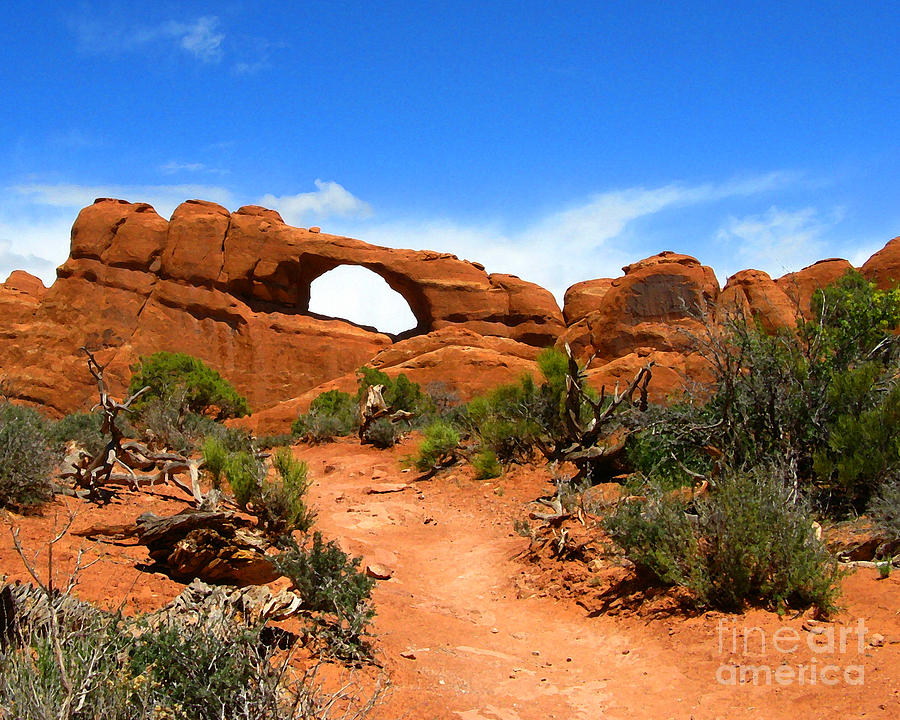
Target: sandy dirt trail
482 653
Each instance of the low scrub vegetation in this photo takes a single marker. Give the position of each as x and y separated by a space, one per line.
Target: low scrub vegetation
334 591
748 541
27 457
105 666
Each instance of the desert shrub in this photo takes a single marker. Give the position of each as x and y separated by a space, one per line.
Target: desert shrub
399 394
438 447
84 429
750 541
268 442
884 508
486 465
184 381
332 414
334 590
445 399
26 457
822 398
105 666
281 505
215 456
382 433
245 476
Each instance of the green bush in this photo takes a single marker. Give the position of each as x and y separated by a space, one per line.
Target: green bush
281 506
215 457
188 383
750 541
885 508
332 414
399 394
106 666
438 446
84 429
382 433
26 457
823 398
333 588
245 475
486 465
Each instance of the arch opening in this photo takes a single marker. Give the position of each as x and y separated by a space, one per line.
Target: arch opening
362 297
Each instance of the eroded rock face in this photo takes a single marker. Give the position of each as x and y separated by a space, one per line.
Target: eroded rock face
232 289
654 305
883 268
756 295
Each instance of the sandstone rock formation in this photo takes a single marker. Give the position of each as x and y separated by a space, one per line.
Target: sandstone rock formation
883 268
233 289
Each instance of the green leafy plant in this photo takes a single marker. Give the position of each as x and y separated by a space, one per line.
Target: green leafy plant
332 414
245 475
188 383
26 457
438 447
751 540
215 457
84 429
335 592
486 465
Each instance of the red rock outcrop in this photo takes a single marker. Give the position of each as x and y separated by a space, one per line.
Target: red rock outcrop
653 305
233 289
883 268
755 294
801 285
19 297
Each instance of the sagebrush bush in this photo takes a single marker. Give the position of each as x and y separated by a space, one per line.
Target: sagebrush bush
438 447
334 589
332 414
106 666
823 398
750 541
215 456
281 505
382 433
486 465
84 429
885 508
245 476
27 457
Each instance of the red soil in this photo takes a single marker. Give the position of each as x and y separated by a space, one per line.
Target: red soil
458 641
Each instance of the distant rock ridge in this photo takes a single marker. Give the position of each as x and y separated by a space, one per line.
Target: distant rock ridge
233 289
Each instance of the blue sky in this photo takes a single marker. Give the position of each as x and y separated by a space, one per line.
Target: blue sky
556 141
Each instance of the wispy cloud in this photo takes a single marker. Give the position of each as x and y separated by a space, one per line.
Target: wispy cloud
164 198
202 38
10 260
329 200
777 241
173 167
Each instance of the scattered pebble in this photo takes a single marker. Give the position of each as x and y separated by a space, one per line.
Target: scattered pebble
408 654
876 640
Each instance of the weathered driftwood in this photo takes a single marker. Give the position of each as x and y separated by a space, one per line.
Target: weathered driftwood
584 444
373 407
93 473
218 547
27 608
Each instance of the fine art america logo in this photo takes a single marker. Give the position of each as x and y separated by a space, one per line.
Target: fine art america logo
827 645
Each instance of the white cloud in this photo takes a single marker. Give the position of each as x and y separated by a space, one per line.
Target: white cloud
202 37
777 241
329 200
164 198
173 167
